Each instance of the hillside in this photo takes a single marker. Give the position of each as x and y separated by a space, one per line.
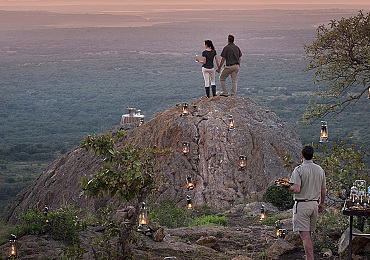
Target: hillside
212 161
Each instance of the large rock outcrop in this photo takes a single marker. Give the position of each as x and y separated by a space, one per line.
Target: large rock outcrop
212 161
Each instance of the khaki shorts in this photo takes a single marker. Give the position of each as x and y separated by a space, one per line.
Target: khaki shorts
305 215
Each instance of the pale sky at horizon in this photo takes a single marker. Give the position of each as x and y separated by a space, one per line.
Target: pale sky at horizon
177 2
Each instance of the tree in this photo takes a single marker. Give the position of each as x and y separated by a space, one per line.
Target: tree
340 57
128 174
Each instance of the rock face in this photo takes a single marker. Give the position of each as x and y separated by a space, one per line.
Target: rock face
212 162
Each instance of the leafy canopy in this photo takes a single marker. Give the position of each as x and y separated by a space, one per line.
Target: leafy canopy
340 57
128 172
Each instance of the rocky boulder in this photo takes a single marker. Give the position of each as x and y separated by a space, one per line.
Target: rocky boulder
212 162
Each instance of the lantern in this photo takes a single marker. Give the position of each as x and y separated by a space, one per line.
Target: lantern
185 109
185 148
277 227
46 210
143 219
361 186
188 202
324 132
369 94
282 233
189 184
263 213
242 161
231 122
353 193
13 247
141 122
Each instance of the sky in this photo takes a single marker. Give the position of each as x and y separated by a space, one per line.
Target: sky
29 4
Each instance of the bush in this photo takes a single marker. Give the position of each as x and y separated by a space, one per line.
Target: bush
63 224
279 197
166 214
213 220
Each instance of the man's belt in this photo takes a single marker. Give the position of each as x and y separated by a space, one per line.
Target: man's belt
231 64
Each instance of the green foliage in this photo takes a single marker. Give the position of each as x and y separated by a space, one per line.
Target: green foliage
5 231
343 164
72 253
340 57
63 224
213 220
166 214
127 172
279 197
330 224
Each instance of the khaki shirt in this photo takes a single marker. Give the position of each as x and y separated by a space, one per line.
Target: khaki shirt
310 177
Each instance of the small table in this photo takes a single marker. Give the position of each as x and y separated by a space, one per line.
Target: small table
351 213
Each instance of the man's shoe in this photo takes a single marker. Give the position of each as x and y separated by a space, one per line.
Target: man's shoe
223 95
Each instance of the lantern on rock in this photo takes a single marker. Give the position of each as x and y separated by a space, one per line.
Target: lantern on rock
242 161
141 122
185 109
277 227
263 213
143 219
46 210
231 122
324 132
188 202
189 183
185 148
13 247
282 233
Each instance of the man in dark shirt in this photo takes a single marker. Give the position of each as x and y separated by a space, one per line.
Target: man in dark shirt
232 54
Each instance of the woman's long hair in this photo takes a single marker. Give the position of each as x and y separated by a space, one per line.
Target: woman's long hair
209 44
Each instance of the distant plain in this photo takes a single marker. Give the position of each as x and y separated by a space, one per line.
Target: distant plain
64 76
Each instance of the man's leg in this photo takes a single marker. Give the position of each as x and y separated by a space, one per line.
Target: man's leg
234 79
307 244
224 74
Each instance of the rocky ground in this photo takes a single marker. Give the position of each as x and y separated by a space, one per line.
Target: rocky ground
244 238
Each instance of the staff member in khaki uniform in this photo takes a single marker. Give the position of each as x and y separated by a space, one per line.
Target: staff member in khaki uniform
309 188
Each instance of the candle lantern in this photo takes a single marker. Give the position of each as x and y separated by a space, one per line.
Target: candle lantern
277 227
141 122
185 148
188 202
143 219
185 109
189 183
282 233
242 161
46 210
369 94
13 247
231 122
324 132
353 193
263 213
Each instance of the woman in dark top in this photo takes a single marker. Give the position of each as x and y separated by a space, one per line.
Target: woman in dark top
207 68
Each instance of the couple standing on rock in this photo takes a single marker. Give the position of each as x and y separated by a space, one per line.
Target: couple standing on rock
232 55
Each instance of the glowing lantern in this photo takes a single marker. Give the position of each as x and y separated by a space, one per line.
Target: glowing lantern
185 148
185 109
143 219
277 227
369 94
141 122
189 184
263 213
231 122
324 132
46 210
13 247
282 233
242 161
188 202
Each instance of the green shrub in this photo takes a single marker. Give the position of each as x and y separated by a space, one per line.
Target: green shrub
279 197
63 224
166 214
214 220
